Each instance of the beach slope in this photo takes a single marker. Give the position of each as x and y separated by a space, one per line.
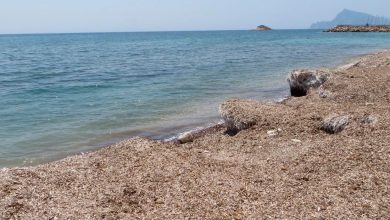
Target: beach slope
284 164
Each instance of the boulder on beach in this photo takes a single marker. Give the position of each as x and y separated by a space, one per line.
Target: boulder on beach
233 117
334 123
301 81
239 115
186 137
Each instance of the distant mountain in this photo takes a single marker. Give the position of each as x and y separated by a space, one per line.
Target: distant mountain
348 17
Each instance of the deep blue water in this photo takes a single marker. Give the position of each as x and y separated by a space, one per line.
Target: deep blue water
65 93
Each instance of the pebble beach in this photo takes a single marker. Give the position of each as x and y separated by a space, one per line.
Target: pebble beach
282 164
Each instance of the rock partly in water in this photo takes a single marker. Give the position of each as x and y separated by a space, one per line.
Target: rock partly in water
263 28
334 124
301 81
234 121
186 137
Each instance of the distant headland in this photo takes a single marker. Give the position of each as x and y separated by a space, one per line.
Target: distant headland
353 18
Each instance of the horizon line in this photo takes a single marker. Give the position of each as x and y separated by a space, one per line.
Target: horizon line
105 32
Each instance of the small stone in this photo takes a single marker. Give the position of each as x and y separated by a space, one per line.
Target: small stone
369 120
296 140
272 133
324 94
186 138
334 124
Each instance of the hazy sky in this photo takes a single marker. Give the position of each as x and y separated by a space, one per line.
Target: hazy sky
37 16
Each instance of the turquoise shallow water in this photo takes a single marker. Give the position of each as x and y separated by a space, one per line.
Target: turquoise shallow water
66 93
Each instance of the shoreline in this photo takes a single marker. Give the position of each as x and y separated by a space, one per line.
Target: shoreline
216 126
161 131
281 164
211 125
82 131
168 133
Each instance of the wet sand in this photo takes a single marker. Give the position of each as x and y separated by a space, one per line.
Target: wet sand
301 172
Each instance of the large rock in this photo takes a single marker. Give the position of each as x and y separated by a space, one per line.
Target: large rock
186 137
234 116
263 28
334 124
301 81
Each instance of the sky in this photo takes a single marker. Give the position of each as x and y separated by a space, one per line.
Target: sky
63 16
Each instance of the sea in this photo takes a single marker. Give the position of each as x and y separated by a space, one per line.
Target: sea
65 94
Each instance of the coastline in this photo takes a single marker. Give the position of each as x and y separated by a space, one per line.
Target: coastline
213 127
246 175
86 117
360 28
165 131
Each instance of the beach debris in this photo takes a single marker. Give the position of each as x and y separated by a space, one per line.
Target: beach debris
296 140
186 137
301 81
230 113
369 120
324 93
334 124
274 133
